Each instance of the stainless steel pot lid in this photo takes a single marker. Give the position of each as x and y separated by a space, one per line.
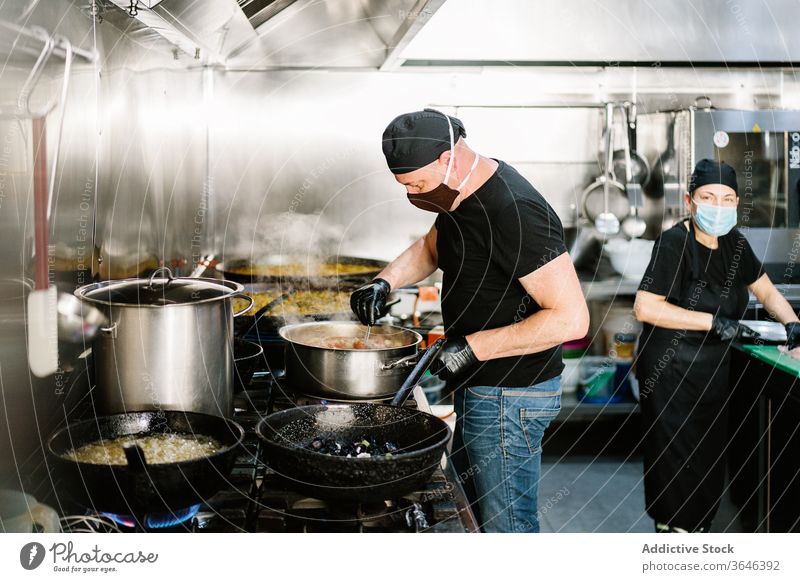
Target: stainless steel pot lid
158 291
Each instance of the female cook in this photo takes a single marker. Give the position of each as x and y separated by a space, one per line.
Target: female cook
690 299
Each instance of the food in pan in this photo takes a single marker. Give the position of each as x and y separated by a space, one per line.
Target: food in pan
299 303
301 269
361 448
157 448
375 342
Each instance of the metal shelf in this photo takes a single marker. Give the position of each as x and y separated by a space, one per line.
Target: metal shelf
606 288
573 410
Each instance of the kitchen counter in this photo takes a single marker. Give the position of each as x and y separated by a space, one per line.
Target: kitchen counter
764 450
772 356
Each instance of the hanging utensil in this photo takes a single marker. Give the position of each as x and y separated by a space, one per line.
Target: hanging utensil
636 173
629 166
43 300
604 202
607 222
634 226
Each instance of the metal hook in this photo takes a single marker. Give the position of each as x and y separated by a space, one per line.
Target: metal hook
24 101
67 46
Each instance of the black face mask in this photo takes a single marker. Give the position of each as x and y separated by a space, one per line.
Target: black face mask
441 198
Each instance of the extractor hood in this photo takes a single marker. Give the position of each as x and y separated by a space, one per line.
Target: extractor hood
388 34
608 33
255 34
331 34
208 30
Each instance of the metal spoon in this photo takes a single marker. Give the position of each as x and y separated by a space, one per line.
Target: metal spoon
634 226
606 222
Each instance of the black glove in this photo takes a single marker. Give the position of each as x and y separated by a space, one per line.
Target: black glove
369 302
455 356
730 329
792 334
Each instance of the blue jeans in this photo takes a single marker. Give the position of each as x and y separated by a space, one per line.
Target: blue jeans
497 451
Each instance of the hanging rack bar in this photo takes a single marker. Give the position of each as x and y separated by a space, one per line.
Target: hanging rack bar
60 48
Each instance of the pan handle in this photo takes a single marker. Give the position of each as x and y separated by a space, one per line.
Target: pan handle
250 303
422 366
135 457
406 361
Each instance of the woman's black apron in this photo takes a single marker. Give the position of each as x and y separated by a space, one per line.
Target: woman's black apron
683 384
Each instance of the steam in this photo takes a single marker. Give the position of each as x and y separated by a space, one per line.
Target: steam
307 237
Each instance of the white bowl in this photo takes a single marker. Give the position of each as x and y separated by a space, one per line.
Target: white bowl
629 257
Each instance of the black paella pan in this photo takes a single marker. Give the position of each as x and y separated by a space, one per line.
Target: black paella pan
138 488
421 439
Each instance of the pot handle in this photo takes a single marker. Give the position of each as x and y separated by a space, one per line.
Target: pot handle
111 330
250 303
156 272
406 361
416 374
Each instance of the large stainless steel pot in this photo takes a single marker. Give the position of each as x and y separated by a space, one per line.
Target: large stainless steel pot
168 344
347 374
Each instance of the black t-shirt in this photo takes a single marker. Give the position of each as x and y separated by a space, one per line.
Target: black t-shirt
670 264
733 264
502 232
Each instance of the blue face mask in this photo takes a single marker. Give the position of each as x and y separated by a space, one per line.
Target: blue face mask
715 220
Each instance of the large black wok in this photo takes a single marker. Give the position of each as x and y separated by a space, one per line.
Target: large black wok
421 437
282 270
139 488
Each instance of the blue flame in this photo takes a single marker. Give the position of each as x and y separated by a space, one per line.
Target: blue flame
157 520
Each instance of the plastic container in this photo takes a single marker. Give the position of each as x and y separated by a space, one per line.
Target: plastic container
571 375
619 323
624 346
603 380
575 348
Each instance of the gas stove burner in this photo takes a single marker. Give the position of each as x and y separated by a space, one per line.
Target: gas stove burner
156 520
405 514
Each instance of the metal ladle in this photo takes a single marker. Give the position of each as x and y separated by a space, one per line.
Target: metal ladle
633 226
606 222
369 327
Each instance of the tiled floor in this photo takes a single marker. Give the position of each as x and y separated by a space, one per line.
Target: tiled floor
602 494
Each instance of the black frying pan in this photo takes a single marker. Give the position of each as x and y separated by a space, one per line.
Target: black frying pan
421 437
139 488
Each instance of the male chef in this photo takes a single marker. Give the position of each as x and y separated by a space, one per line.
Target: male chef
510 298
